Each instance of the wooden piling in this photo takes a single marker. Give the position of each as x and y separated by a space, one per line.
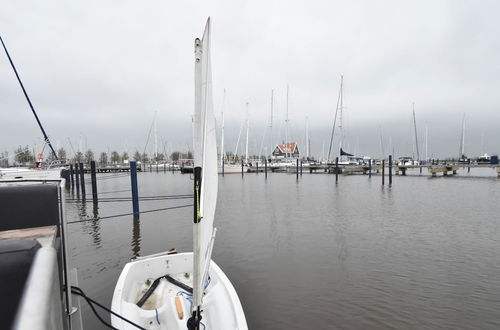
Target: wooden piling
265 167
222 167
257 163
135 194
94 181
336 169
390 170
242 168
301 163
369 168
383 171
71 175
82 181
297 169
77 177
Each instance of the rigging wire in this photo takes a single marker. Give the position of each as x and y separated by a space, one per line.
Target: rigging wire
131 213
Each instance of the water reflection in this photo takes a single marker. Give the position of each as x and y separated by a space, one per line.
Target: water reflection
93 226
136 237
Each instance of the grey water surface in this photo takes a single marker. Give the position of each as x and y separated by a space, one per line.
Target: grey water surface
311 254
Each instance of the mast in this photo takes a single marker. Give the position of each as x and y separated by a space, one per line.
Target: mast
415 126
341 111
271 119
267 126
46 138
426 141
248 129
205 174
381 144
286 124
238 140
334 120
462 139
156 141
222 155
307 137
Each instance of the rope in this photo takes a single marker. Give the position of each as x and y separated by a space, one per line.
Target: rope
79 292
125 214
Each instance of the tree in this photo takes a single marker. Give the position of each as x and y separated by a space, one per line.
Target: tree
160 157
89 156
115 157
78 157
61 154
103 159
125 156
137 156
4 159
23 155
175 156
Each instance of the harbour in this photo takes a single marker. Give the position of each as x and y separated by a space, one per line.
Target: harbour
399 262
249 166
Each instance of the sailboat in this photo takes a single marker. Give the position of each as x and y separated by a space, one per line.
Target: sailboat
185 290
463 159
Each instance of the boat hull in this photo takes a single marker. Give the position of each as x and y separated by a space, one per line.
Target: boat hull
221 305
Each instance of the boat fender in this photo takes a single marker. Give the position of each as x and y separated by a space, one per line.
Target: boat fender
179 308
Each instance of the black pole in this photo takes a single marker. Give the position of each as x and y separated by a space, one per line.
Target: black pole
94 181
133 182
369 168
265 167
71 175
257 163
242 168
46 138
383 171
336 169
222 166
82 181
77 177
390 170
301 163
297 169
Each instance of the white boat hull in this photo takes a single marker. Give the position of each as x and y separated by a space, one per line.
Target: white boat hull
221 306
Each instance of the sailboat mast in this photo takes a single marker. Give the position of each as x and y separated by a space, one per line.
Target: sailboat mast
307 137
46 138
382 150
334 122
248 129
197 290
415 127
271 119
286 124
156 141
341 110
222 155
462 140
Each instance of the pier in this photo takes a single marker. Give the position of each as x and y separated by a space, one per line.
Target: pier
110 169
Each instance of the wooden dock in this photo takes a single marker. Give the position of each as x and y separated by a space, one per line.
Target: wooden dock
111 169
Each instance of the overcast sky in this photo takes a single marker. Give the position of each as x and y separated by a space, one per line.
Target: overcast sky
97 71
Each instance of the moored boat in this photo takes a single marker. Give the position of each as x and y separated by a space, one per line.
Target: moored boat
185 290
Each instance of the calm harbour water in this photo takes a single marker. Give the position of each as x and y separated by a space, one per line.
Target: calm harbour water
310 254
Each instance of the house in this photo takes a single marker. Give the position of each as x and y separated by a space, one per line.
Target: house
283 150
